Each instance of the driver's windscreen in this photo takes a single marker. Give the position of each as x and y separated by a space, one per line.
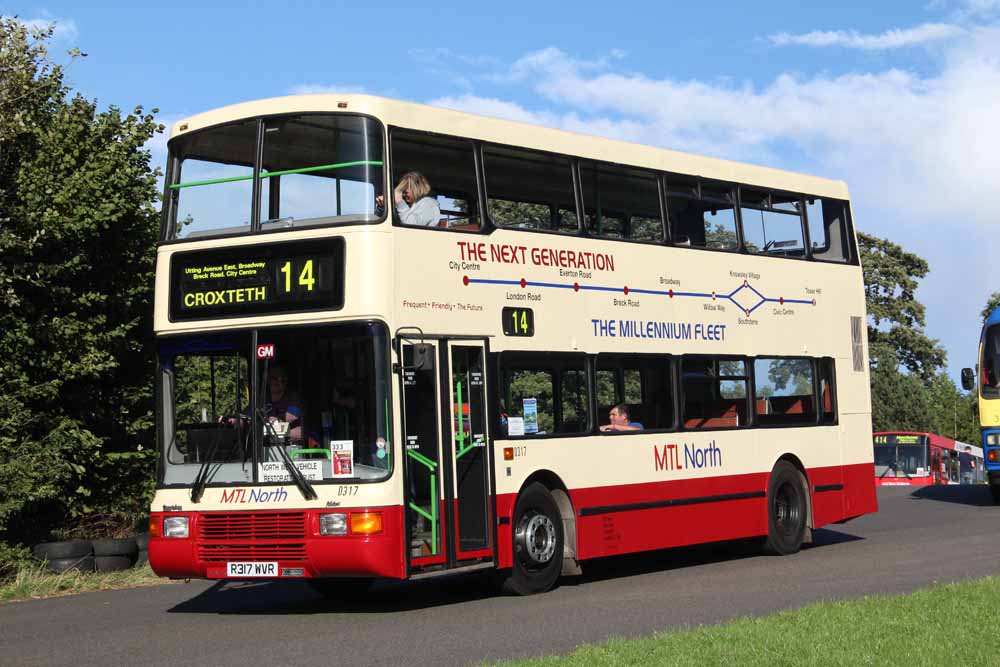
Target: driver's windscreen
322 398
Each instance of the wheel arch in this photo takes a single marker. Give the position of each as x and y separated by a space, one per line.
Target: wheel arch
560 494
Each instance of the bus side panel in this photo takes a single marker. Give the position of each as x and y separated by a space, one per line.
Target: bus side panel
859 490
698 512
828 494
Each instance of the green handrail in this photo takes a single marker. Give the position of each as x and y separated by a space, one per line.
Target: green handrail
298 452
269 174
432 516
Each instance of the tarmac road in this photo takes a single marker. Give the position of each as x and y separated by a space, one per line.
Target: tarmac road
918 537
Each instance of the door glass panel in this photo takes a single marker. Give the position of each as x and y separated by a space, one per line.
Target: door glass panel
469 441
423 472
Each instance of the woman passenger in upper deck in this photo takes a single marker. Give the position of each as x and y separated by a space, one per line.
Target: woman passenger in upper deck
414 202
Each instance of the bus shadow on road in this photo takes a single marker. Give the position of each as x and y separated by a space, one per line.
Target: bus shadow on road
678 558
297 597
977 495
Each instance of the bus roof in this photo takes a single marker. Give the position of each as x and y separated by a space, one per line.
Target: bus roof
994 318
458 123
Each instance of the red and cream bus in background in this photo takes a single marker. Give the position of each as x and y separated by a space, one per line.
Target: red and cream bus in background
452 381
921 459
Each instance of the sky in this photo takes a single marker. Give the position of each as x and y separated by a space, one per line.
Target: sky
898 99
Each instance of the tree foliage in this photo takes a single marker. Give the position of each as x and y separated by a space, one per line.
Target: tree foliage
991 304
896 318
78 230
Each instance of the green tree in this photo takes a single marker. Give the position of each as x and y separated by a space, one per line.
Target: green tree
991 304
896 318
78 230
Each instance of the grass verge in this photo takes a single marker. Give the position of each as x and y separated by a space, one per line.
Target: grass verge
33 582
937 626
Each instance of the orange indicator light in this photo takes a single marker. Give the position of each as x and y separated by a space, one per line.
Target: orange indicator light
508 453
366 523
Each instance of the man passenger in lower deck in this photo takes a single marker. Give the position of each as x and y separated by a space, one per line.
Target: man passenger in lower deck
620 420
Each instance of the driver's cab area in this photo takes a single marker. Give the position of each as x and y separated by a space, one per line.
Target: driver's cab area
237 407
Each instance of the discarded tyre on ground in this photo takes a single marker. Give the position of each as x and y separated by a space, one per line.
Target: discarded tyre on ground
114 555
66 555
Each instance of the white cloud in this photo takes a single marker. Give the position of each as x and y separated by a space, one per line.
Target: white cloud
64 29
890 39
918 150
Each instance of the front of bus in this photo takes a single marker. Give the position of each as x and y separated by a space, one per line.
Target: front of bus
989 399
273 401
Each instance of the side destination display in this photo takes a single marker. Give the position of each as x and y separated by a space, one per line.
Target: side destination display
257 279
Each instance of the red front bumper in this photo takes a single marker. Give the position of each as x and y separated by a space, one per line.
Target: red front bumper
290 538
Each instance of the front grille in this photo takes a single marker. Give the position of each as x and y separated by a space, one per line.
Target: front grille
252 526
251 536
209 553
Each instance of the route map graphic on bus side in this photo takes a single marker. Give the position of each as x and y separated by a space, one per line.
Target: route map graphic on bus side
577 287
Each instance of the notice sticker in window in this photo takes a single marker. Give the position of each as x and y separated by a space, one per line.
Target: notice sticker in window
342 458
515 426
530 415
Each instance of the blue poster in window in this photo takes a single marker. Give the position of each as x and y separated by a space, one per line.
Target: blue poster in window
530 415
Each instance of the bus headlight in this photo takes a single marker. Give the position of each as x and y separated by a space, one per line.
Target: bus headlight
334 523
175 526
992 438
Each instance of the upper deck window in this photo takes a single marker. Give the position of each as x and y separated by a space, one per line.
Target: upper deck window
530 190
701 214
828 231
314 169
621 202
772 223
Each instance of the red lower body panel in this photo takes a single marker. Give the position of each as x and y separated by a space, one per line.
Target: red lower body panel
615 520
290 538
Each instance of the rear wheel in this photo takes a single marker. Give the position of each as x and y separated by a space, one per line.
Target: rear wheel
787 509
995 492
538 543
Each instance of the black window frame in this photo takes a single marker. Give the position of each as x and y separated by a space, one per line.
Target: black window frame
671 382
555 363
168 212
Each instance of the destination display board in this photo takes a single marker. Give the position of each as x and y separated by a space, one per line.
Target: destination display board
900 439
257 280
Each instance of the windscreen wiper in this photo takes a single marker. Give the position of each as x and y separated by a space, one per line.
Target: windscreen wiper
308 492
201 479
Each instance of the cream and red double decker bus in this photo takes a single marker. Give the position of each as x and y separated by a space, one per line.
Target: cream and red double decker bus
566 348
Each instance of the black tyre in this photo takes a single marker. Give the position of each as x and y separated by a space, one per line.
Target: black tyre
538 543
126 547
341 587
81 564
142 541
787 510
112 563
995 492
51 551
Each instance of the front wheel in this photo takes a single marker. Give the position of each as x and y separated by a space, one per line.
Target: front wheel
787 509
538 543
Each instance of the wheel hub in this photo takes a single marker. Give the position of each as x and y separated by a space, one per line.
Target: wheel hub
537 535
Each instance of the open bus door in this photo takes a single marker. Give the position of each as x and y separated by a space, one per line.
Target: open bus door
447 483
